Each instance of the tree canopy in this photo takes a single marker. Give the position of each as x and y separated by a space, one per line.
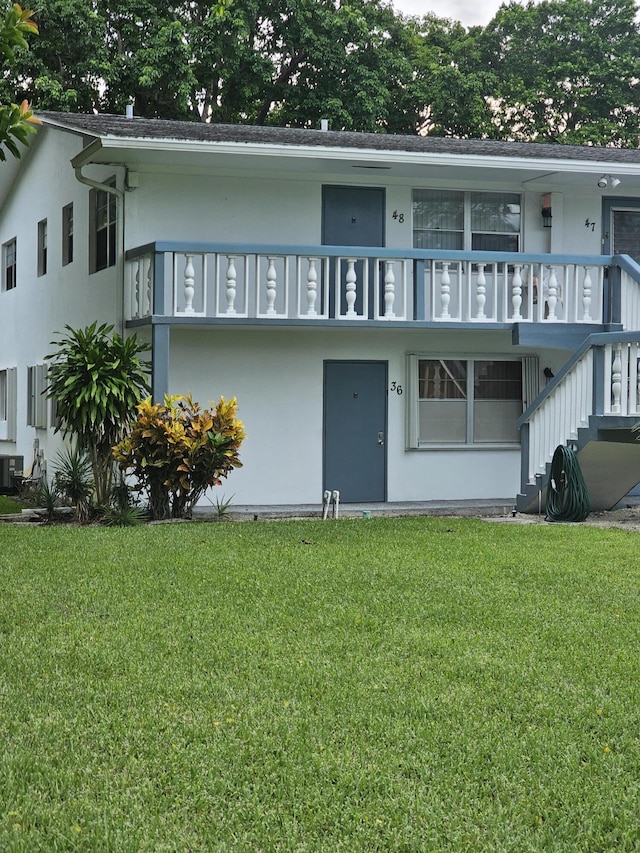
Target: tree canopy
558 70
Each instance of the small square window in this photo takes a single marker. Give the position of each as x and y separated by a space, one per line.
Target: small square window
67 234
42 247
9 265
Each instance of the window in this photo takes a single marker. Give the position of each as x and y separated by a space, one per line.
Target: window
9 266
42 247
3 395
67 234
103 230
477 221
36 399
8 403
465 401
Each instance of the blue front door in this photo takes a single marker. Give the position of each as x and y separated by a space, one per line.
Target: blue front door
355 429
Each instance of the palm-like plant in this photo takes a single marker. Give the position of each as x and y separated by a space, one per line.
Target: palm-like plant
97 379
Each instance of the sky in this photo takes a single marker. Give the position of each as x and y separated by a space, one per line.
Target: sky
468 12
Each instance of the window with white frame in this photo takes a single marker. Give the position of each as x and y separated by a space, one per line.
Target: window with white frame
466 401
67 234
9 264
3 395
8 402
469 221
103 212
42 247
36 396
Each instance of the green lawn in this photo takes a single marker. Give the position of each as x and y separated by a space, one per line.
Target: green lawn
383 685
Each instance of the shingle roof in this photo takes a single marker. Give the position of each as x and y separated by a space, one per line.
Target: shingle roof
118 126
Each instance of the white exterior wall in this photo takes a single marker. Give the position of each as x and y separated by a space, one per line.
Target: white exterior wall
39 306
277 377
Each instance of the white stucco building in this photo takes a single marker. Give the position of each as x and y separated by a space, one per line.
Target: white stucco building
384 308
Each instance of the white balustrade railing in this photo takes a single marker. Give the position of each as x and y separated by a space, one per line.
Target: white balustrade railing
323 285
468 291
622 378
561 414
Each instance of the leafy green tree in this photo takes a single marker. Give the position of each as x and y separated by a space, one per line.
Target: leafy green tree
565 71
16 121
177 451
97 379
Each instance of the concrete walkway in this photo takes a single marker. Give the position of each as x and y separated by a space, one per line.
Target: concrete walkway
260 512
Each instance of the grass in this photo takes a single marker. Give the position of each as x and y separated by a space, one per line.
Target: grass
8 506
383 685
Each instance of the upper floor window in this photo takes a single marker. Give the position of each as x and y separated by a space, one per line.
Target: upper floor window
42 247
67 234
9 264
476 221
103 230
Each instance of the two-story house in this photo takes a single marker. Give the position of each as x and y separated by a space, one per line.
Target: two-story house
400 318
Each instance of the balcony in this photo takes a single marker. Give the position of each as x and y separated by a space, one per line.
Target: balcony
242 283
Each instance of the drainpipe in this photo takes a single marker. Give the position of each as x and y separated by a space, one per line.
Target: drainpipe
109 188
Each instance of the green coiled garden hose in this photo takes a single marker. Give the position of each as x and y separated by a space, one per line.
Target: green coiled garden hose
567 494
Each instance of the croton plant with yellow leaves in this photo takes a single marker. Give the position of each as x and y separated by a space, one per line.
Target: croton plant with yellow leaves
176 451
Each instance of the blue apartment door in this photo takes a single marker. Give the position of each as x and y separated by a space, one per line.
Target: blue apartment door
355 430
353 216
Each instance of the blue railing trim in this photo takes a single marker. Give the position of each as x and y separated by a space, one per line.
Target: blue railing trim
511 258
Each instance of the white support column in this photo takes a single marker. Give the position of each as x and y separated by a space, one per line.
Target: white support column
552 298
389 290
350 295
271 286
231 284
481 293
312 287
516 292
586 295
445 291
616 381
189 285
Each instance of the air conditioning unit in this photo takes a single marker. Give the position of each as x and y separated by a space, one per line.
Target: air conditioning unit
10 466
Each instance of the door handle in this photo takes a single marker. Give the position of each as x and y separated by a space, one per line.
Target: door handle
380 439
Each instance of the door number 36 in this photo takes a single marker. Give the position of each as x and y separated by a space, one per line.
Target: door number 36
396 388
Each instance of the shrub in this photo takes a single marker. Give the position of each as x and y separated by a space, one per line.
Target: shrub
96 380
177 451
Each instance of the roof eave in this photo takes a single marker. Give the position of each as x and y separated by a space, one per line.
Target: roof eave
98 151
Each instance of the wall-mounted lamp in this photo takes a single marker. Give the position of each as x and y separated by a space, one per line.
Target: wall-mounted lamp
605 180
546 210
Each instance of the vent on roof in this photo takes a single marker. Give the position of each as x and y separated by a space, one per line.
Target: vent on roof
128 111
324 124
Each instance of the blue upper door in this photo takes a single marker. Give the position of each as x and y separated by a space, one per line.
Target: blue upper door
353 216
621 227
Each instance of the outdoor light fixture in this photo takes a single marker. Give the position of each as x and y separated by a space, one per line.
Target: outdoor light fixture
545 209
605 180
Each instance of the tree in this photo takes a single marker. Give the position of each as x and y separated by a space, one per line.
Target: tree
565 71
177 451
97 380
16 121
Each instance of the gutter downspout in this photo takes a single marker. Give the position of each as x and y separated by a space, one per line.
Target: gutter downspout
109 188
